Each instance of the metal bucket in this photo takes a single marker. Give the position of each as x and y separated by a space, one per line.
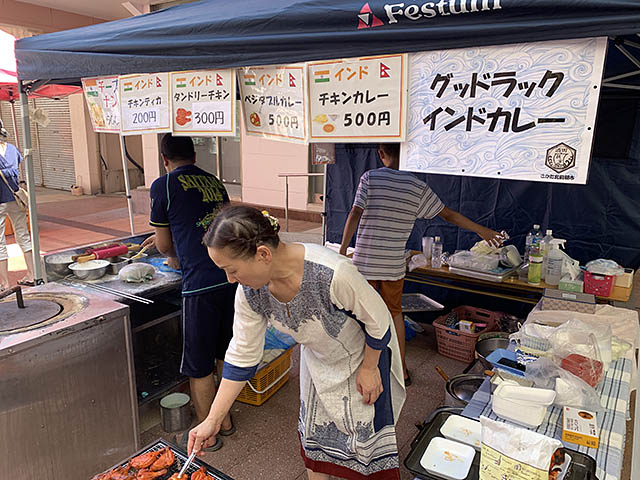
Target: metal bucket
175 412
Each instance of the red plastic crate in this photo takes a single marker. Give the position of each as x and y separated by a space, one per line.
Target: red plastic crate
461 345
600 285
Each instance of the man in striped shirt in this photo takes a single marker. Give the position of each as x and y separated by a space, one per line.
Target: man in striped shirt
387 204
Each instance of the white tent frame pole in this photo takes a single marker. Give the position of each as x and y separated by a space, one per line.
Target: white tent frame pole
15 123
31 188
324 206
127 187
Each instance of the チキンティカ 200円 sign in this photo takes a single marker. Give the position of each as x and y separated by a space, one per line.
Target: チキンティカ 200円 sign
274 101
103 101
145 104
204 103
358 100
522 111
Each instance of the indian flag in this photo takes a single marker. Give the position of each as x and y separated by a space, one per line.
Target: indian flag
321 76
181 82
128 86
250 79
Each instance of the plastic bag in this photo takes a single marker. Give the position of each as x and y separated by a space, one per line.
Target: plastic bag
602 266
137 273
575 348
513 452
275 339
570 390
417 261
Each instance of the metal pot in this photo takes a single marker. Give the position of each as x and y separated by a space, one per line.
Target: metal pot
175 412
91 270
485 346
59 264
460 389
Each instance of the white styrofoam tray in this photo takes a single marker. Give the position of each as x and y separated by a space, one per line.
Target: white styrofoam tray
447 459
464 430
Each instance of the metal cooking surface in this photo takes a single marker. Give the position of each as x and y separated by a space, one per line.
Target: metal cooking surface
180 460
35 312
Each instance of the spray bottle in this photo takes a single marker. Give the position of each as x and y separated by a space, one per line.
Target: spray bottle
554 261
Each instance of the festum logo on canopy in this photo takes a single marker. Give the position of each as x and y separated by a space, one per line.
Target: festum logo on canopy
396 12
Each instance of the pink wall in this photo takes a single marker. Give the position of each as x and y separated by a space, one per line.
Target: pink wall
262 161
43 19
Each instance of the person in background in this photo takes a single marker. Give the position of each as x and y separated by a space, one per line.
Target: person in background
184 202
10 158
387 203
351 388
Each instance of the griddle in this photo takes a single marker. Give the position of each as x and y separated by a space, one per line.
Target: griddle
582 466
181 458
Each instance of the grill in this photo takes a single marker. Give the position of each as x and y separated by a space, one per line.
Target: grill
181 459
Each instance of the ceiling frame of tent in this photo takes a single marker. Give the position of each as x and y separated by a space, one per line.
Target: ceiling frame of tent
620 44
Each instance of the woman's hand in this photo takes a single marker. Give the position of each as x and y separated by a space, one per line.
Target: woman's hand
203 435
369 383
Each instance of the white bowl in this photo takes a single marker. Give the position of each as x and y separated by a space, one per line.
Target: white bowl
447 459
464 430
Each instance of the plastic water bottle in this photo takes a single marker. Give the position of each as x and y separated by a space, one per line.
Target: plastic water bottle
436 253
534 235
545 245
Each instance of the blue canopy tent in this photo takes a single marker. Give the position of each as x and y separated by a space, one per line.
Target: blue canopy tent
215 33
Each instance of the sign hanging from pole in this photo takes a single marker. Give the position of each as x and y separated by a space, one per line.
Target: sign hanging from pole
521 111
204 103
274 102
145 103
103 99
358 100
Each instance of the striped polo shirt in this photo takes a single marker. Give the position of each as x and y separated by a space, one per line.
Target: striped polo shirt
392 200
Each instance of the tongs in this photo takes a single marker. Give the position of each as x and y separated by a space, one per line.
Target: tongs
187 463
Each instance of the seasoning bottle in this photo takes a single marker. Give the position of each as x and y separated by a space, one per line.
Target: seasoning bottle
535 268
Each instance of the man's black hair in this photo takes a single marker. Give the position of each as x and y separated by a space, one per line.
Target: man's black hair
390 149
177 149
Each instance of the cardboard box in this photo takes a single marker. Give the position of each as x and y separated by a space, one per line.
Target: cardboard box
626 279
579 427
575 302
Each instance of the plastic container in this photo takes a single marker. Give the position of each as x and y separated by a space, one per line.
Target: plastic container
600 285
545 245
535 269
464 430
447 459
554 260
427 243
459 345
506 402
587 369
267 380
533 237
568 285
436 253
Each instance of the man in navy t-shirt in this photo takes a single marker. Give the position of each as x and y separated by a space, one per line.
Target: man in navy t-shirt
183 204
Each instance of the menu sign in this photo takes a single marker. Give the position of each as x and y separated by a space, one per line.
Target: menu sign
103 100
204 103
145 105
358 100
274 101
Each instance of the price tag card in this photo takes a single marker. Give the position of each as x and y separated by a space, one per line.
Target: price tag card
274 102
204 103
358 100
145 105
103 100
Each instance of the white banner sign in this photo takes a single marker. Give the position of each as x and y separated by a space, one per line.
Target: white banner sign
358 100
204 103
103 100
274 102
523 111
145 103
